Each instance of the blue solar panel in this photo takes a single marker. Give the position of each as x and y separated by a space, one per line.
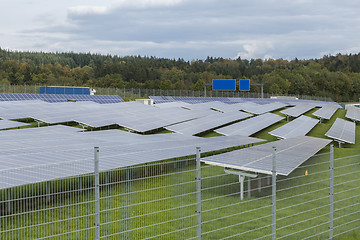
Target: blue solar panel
102 99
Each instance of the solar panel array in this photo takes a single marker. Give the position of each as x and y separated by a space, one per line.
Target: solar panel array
353 113
41 154
211 121
51 98
326 112
290 153
250 126
193 100
132 115
342 130
298 109
298 127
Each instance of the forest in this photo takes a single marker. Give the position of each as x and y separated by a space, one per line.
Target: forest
336 76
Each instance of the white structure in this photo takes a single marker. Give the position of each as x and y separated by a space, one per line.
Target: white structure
92 91
146 101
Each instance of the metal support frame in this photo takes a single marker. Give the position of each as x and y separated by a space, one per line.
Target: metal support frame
262 88
38 122
274 194
97 193
242 176
259 184
340 142
331 195
206 84
198 194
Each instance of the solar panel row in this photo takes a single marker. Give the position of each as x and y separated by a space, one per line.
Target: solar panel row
290 153
353 113
208 122
343 131
250 126
298 109
326 112
47 153
61 97
298 127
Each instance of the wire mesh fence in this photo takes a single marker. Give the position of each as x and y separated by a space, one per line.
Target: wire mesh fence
162 200
136 93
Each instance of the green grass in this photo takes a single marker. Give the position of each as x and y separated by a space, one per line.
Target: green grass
168 194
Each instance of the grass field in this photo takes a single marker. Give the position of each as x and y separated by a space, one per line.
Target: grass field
163 201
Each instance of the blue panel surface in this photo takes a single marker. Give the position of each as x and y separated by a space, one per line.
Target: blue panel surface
244 85
61 97
224 84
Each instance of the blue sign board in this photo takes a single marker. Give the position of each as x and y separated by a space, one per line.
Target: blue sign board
244 85
224 84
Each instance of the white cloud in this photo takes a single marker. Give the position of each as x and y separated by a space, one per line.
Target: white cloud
85 10
146 3
257 49
186 29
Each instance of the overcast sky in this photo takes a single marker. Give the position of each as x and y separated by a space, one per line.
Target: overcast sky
189 29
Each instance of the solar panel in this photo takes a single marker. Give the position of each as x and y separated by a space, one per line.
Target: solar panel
298 109
298 127
48 153
342 131
290 153
5 124
353 113
251 125
208 122
326 112
262 108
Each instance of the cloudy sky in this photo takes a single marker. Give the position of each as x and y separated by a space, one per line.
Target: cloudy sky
189 29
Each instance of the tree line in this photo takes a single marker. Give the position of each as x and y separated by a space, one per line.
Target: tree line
336 76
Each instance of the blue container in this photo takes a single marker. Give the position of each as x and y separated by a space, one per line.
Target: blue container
65 90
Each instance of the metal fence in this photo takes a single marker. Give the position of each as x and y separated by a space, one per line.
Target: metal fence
136 93
183 199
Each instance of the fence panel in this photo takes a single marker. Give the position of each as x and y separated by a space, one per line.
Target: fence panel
224 215
137 93
159 201
152 201
303 201
58 209
346 194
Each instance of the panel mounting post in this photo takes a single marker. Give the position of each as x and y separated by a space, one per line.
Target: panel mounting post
242 176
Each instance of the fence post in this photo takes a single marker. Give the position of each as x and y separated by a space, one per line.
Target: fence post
97 193
274 194
198 194
9 201
331 191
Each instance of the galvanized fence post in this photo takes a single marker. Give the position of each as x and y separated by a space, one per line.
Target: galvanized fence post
274 193
97 193
331 191
198 194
